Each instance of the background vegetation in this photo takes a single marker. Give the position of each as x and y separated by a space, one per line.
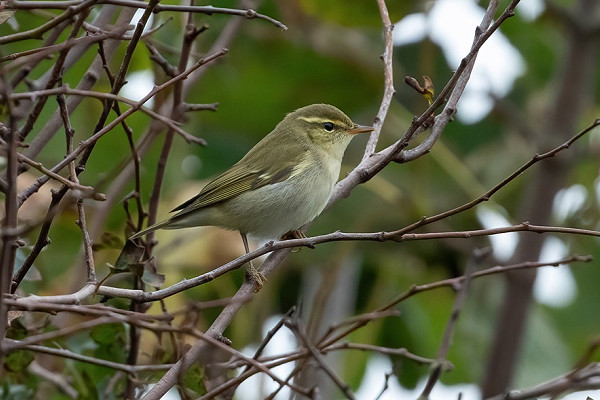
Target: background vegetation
81 324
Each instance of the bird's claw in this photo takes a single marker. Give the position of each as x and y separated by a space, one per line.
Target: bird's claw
255 277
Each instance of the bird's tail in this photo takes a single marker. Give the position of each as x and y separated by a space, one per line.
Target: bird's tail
150 229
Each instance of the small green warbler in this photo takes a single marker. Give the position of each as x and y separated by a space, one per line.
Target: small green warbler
282 183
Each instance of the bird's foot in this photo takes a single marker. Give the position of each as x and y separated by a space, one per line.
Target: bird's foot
295 234
255 277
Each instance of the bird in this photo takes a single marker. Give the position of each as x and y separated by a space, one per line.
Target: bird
282 183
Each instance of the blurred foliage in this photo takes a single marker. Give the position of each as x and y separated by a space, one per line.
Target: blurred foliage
267 74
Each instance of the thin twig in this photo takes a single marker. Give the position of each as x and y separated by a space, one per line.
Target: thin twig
271 334
57 378
86 191
297 326
388 78
44 51
91 360
454 88
486 196
336 236
385 387
26 65
209 10
104 19
9 240
96 136
42 241
190 35
453 282
65 89
401 352
256 366
36 33
81 222
55 77
586 378
441 363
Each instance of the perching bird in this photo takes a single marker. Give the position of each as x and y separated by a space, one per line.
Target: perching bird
282 183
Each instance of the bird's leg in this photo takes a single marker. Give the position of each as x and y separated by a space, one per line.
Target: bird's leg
251 272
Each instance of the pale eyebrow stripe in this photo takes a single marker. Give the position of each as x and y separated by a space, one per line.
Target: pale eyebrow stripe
317 119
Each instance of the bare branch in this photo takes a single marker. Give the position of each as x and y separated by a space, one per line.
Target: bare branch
402 352
65 89
94 138
441 364
86 191
388 77
297 327
330 338
44 51
37 33
9 240
209 10
586 378
92 360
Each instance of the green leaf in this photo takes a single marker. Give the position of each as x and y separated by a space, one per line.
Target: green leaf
194 379
107 334
18 360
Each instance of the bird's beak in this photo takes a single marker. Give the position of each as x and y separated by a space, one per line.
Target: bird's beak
356 129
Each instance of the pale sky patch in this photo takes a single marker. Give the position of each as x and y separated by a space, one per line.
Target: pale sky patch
451 24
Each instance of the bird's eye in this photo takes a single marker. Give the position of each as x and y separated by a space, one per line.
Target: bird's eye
328 126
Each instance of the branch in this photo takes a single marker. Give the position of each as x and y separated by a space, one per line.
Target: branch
57 378
388 79
208 10
586 378
256 367
86 191
104 19
177 113
95 137
452 283
486 196
54 77
81 222
9 240
270 247
369 167
441 362
401 352
65 89
68 44
297 327
132 369
37 33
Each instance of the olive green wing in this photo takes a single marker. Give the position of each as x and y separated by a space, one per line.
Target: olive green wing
229 184
236 180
